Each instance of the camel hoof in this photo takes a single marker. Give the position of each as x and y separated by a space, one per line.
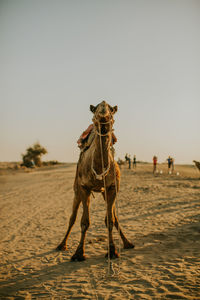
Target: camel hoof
78 257
113 253
61 247
129 245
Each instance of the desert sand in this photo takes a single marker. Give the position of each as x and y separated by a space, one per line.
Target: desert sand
160 214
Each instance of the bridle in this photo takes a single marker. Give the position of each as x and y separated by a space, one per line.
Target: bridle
102 123
99 123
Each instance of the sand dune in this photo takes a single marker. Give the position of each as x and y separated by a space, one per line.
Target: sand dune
160 214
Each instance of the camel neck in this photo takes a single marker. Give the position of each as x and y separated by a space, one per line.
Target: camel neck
105 142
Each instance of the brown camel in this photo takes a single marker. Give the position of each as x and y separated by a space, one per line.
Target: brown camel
96 168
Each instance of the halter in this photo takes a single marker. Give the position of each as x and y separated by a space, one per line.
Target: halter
105 171
103 123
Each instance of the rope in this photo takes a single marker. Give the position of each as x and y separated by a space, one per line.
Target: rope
94 119
102 134
104 173
117 213
110 266
105 191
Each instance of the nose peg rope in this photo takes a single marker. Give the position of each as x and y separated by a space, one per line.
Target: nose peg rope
110 264
105 193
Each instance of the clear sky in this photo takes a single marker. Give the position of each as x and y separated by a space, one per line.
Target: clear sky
58 57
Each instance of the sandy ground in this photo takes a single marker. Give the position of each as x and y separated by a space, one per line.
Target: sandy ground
160 215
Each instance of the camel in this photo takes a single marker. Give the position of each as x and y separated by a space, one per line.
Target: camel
97 169
197 163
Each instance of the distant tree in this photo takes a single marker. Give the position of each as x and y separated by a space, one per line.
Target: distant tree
33 155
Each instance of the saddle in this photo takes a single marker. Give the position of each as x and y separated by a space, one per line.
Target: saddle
87 137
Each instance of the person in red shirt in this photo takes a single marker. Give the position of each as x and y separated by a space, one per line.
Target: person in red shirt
155 159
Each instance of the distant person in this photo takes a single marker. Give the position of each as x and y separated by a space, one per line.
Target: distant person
126 157
169 162
134 162
172 163
155 159
120 162
129 162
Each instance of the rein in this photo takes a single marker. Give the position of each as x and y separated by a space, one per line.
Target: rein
102 134
105 171
102 177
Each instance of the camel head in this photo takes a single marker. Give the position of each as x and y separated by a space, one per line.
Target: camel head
103 112
103 115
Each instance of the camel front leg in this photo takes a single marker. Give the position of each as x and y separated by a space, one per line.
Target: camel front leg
126 243
79 255
76 203
111 195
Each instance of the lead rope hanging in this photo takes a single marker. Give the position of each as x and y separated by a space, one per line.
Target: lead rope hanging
106 198
110 266
117 210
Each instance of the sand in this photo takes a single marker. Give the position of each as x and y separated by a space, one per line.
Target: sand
159 214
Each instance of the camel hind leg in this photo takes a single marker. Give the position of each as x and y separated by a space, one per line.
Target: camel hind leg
76 204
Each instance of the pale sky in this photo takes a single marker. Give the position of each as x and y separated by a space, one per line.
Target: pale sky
58 57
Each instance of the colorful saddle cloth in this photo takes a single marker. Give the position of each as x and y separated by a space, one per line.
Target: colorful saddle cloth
85 135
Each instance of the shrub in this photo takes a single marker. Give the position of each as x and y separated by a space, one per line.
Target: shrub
33 156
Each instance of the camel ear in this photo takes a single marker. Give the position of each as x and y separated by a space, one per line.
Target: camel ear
92 108
114 109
